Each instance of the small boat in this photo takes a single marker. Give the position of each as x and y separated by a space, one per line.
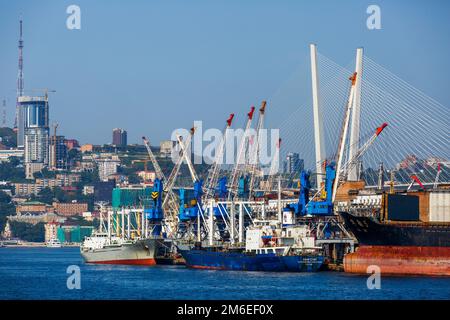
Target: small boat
167 254
54 243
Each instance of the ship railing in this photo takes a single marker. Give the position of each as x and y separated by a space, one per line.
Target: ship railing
365 211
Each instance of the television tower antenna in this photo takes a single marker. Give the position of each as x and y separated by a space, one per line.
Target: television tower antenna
20 84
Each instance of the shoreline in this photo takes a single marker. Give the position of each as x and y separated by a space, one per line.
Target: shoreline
35 245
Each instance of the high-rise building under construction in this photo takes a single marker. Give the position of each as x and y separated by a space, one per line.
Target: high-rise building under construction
58 153
36 133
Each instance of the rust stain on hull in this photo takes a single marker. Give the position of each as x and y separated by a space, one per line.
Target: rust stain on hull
400 260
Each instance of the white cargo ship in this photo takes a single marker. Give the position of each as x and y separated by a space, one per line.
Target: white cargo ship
103 249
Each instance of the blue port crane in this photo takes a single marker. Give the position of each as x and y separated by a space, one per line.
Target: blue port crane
323 205
171 206
153 207
318 206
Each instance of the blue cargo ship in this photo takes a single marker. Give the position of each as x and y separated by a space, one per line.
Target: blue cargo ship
218 258
266 249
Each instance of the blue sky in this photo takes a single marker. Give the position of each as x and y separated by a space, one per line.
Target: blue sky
152 66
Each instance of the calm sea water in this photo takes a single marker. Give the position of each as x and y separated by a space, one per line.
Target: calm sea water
40 273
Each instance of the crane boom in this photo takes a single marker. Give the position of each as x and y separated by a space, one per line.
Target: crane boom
343 138
176 169
438 173
240 161
415 179
213 176
254 156
186 156
159 173
352 162
273 168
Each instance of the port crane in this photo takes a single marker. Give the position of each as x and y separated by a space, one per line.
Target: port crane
187 158
171 207
195 211
239 167
350 164
213 176
254 151
335 173
415 179
343 168
438 173
344 133
198 189
176 169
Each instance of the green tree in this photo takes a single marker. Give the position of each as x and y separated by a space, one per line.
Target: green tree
11 170
88 177
8 137
14 161
46 195
45 173
60 195
73 154
28 231
133 178
7 208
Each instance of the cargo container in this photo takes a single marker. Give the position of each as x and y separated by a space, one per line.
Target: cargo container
439 206
399 207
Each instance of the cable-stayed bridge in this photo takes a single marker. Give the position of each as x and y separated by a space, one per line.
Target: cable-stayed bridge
416 141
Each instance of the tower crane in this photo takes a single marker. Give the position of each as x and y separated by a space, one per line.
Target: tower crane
46 91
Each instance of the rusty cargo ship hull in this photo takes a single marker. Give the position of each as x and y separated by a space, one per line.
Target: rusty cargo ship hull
406 248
